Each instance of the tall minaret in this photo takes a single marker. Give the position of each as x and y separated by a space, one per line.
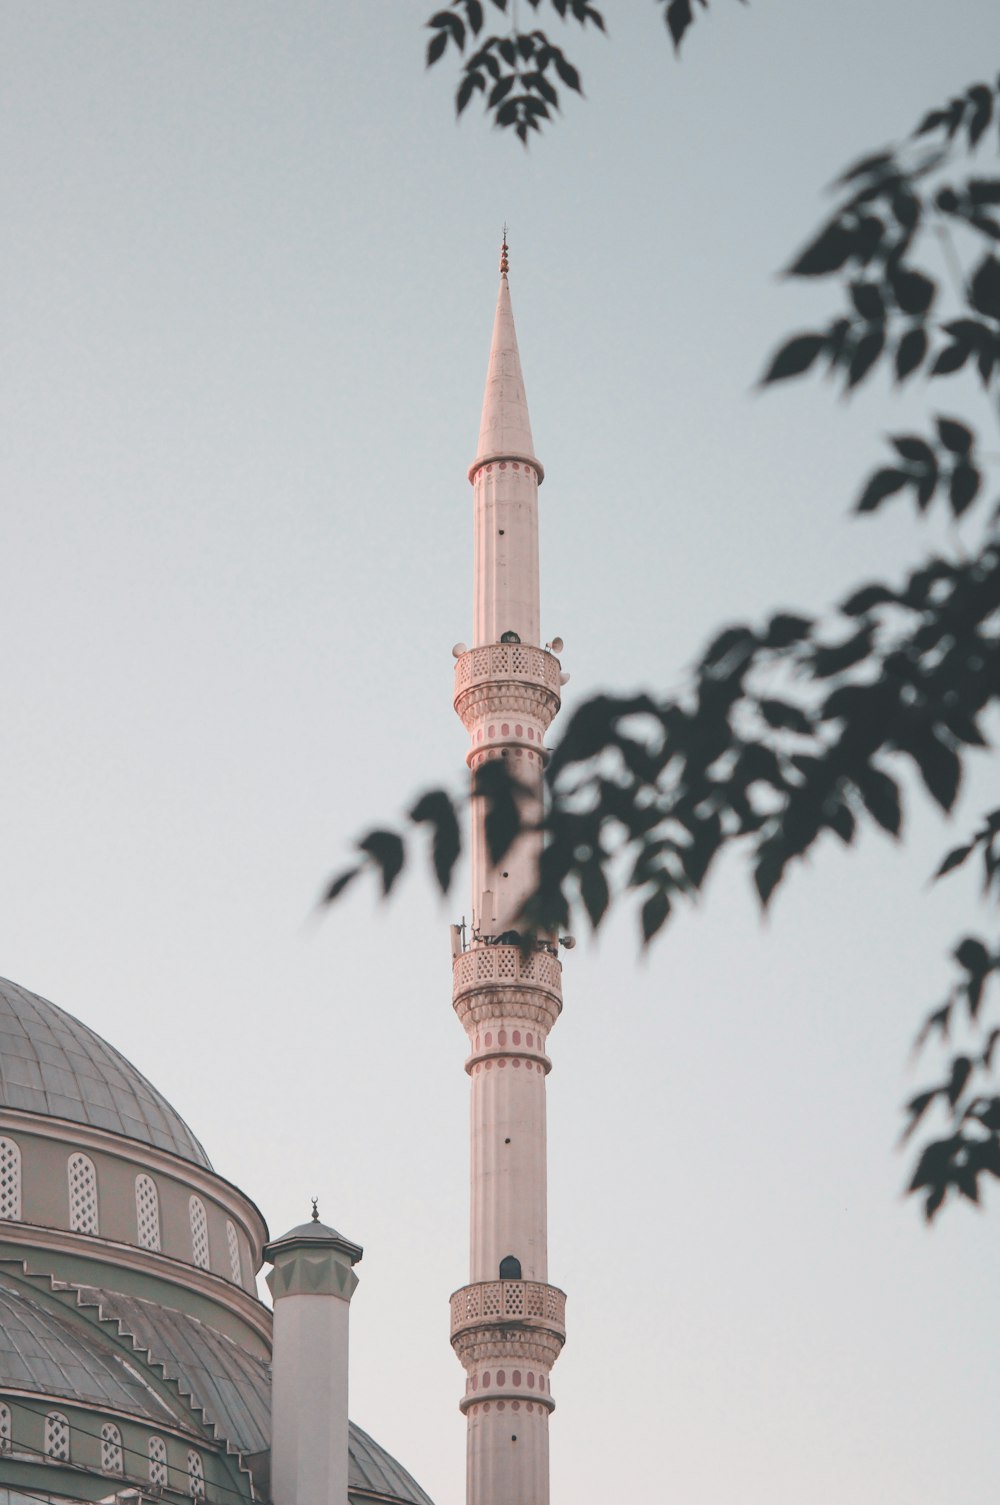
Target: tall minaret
508 1323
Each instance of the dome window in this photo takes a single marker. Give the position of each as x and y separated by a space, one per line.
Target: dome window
157 1450
57 1437
196 1476
147 1211
510 1267
10 1181
112 1457
82 1194
199 1232
232 1240
5 1429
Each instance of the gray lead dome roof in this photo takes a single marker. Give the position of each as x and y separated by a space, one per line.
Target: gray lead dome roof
52 1064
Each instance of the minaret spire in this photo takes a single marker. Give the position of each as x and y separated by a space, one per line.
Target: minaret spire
508 1323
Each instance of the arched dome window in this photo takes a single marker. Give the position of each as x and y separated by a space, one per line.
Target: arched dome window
82 1194
510 1267
112 1457
157 1450
196 1476
57 1437
5 1429
199 1232
10 1180
147 1211
232 1239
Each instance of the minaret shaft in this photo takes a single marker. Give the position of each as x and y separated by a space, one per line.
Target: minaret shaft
508 1324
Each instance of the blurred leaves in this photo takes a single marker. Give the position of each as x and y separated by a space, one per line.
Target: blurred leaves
804 727
518 74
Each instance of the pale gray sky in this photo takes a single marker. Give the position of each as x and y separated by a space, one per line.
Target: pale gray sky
249 269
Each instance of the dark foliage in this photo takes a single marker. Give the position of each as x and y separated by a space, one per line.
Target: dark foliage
518 75
795 727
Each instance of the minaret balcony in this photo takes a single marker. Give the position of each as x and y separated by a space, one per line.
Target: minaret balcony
489 981
508 1310
506 678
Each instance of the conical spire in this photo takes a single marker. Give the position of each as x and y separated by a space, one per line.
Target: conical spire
505 428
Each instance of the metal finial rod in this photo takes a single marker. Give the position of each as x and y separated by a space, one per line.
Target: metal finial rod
503 253
315 1203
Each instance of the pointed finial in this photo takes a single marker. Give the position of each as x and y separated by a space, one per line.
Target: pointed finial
503 253
315 1203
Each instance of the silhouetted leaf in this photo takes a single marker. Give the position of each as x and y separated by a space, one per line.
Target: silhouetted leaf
961 1068
654 914
965 484
866 353
867 299
954 435
912 290
678 18
435 808
385 849
910 352
594 892
879 486
954 859
972 955
864 599
940 766
918 451
985 288
880 794
785 628
337 886
827 253
436 46
794 357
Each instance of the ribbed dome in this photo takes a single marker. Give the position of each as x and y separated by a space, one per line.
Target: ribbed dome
50 1063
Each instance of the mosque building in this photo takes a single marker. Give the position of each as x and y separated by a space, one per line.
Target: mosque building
136 1360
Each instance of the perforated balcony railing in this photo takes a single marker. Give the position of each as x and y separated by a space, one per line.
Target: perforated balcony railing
518 1301
507 661
493 966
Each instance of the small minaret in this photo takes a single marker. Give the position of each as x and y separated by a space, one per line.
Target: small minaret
508 1324
312 1284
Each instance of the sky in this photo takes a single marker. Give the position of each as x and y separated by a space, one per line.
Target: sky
249 271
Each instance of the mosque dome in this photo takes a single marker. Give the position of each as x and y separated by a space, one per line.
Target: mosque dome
52 1064
135 1354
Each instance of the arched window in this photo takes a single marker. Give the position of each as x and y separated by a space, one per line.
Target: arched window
5 1429
232 1239
112 1458
510 1268
10 1180
199 1232
57 1437
147 1212
196 1476
82 1194
157 1450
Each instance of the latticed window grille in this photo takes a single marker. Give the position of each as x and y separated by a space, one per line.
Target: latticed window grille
10 1180
112 1456
196 1476
83 1216
199 1232
157 1450
5 1429
147 1212
57 1437
232 1239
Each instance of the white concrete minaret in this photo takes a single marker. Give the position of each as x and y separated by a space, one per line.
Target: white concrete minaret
508 1323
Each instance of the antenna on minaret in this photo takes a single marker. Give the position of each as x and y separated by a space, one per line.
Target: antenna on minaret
503 252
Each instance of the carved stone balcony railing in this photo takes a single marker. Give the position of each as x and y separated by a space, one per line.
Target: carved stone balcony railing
483 969
483 677
525 1304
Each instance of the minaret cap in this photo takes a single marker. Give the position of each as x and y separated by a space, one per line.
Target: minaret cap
505 428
